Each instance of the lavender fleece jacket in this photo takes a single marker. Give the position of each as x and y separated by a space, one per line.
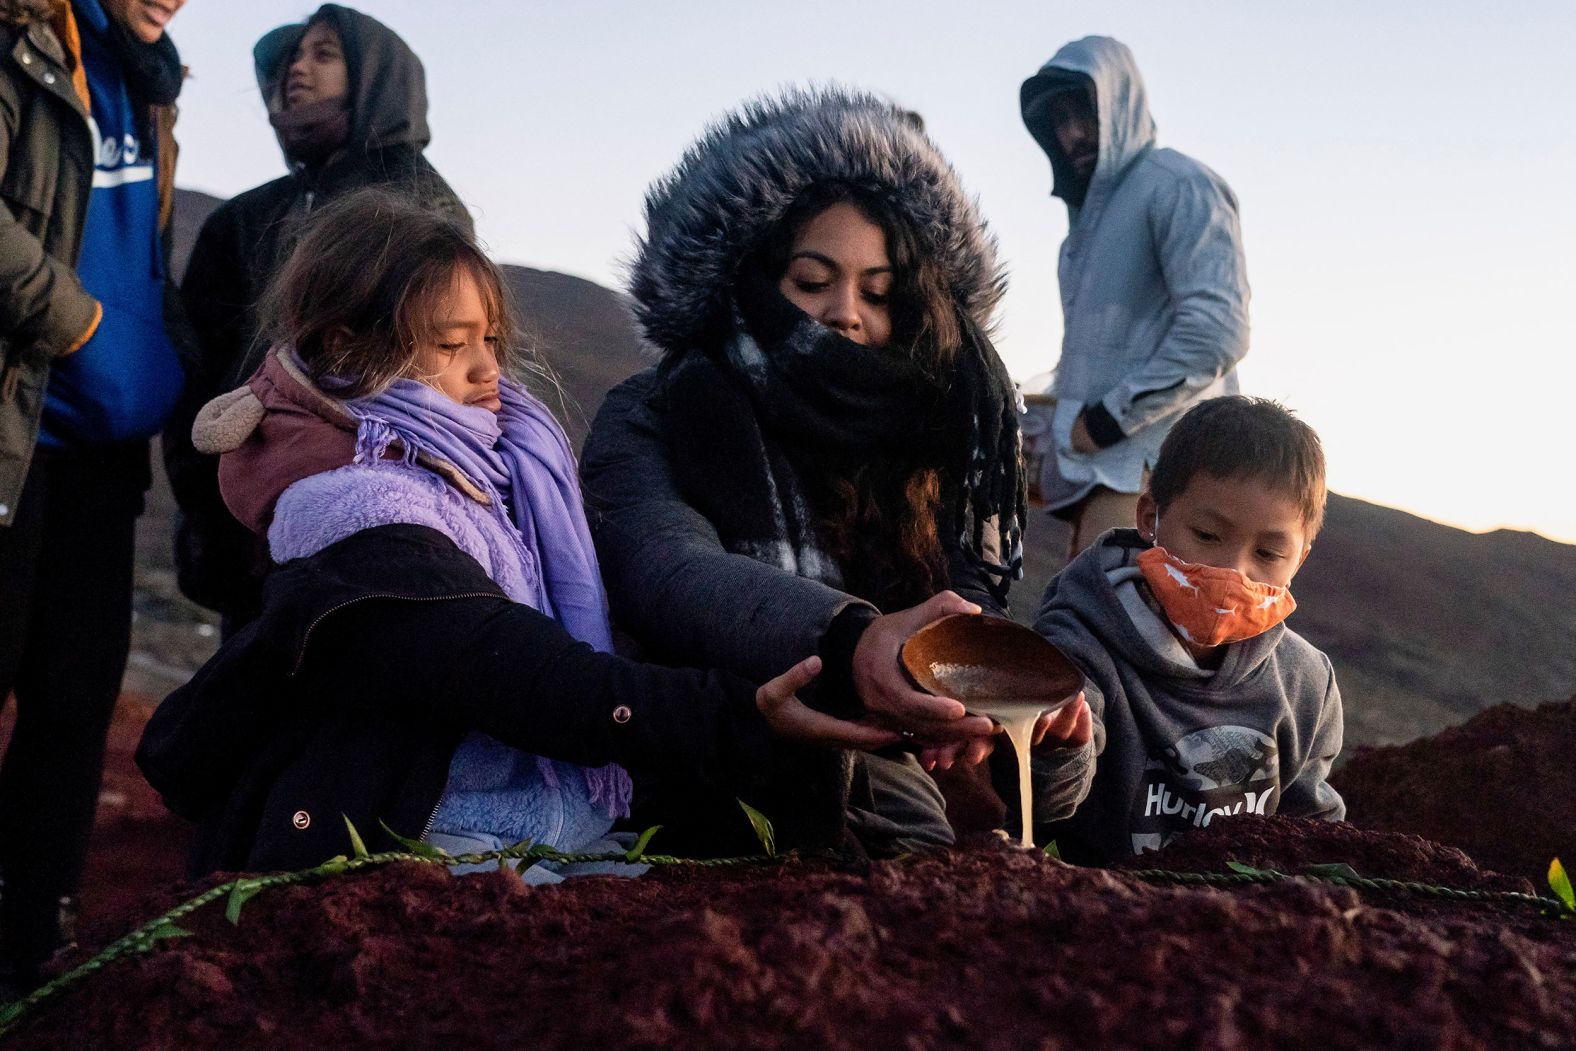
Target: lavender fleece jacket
491 788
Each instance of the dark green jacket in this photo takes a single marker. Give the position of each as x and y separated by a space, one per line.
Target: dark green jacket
46 156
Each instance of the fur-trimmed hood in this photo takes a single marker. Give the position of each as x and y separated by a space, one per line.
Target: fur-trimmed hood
735 183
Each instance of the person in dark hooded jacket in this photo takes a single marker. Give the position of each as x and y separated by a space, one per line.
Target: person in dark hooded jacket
348 100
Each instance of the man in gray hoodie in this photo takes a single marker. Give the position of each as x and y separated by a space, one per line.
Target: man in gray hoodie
1205 706
1154 288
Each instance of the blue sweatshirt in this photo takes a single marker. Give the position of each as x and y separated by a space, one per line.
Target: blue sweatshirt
124 381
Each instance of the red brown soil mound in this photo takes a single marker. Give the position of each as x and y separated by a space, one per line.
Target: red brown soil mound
985 949
1289 844
1501 786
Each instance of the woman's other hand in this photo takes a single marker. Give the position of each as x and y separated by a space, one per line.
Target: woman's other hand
971 752
887 692
791 718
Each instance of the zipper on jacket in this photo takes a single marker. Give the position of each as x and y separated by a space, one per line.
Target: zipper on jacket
307 636
426 829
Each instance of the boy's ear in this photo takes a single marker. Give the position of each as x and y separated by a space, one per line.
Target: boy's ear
1307 549
1144 517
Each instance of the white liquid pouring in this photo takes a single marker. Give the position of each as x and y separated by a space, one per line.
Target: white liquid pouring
1015 713
1017 717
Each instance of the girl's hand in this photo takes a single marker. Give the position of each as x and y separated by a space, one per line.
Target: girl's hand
1082 440
971 753
791 718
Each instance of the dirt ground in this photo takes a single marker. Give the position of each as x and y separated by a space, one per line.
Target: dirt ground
996 948
990 947
1501 786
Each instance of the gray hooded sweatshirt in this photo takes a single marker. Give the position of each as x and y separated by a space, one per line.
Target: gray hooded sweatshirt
1177 745
1154 287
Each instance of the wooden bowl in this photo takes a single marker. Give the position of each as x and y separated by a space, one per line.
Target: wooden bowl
972 657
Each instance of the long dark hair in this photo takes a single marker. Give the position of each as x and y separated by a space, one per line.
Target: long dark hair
882 520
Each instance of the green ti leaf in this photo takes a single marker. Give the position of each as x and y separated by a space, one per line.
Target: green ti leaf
1560 883
420 848
163 931
1246 870
10 1012
1333 870
1053 851
357 847
762 827
244 891
634 853
529 857
333 866
167 929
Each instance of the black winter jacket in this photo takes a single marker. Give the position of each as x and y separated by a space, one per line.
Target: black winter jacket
370 662
245 241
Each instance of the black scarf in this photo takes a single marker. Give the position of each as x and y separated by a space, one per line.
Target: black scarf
784 390
153 71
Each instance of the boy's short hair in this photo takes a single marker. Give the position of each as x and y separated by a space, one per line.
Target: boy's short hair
1236 436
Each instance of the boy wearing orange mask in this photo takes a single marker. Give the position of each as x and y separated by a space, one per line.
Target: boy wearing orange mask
1205 705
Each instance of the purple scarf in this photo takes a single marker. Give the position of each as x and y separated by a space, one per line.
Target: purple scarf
520 458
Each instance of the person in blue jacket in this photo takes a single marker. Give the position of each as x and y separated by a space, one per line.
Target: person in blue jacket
91 373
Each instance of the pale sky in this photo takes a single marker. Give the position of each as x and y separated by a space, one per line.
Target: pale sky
1404 172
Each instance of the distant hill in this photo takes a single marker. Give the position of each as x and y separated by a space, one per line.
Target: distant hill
1426 624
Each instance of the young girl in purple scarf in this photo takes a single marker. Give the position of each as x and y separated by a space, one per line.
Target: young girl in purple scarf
433 657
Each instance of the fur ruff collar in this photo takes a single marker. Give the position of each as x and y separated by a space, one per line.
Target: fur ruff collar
734 184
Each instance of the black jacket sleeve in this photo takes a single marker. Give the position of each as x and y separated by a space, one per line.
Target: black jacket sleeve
486 664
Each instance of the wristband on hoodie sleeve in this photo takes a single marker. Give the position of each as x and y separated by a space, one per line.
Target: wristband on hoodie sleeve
1102 426
98 315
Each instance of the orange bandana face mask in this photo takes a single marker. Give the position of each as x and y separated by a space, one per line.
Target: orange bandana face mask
1211 606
